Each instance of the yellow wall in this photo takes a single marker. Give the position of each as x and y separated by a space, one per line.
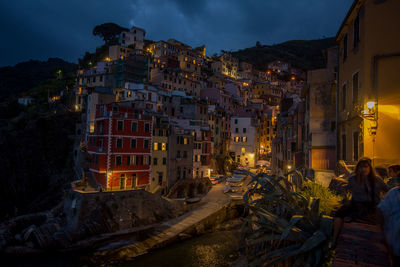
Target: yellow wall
379 24
387 140
155 169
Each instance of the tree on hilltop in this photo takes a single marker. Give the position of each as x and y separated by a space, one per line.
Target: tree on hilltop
108 31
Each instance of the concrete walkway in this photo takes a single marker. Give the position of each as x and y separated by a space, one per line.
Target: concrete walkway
169 230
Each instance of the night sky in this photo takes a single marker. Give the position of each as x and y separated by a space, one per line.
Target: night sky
38 29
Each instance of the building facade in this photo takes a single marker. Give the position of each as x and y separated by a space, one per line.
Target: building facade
368 106
120 147
320 116
244 145
180 154
159 163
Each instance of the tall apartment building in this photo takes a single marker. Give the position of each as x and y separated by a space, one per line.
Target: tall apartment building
368 106
267 130
244 145
160 162
180 154
120 147
320 116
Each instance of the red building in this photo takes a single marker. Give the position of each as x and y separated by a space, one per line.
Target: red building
120 146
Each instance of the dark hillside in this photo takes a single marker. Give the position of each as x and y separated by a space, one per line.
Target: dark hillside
36 162
303 54
26 75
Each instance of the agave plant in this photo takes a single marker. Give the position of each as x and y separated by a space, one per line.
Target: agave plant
283 226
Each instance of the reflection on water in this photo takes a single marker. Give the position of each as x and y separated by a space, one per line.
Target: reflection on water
214 249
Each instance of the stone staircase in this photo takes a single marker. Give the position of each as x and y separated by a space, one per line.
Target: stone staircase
360 244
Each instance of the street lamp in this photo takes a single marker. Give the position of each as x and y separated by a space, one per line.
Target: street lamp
109 176
370 114
370 104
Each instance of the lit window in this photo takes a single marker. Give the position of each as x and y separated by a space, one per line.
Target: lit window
155 146
244 139
91 129
132 160
164 146
237 139
185 141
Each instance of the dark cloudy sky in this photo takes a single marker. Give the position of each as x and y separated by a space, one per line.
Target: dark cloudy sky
38 29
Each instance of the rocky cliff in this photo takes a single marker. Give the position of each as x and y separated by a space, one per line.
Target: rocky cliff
81 216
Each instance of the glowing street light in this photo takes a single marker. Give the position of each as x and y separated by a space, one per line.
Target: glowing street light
370 104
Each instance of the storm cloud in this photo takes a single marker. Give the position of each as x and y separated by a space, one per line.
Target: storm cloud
39 29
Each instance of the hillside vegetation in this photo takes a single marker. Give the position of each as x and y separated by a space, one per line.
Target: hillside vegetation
303 54
24 76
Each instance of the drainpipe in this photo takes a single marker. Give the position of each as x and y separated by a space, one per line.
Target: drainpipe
337 105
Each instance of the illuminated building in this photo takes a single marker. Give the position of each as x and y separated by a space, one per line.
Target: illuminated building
120 147
369 62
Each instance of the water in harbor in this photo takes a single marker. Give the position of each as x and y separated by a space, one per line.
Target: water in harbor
219 248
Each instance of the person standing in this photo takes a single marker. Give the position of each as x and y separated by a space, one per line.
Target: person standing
389 218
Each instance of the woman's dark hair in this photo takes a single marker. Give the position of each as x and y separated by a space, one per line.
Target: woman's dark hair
371 176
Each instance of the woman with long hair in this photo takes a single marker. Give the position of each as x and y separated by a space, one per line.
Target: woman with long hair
366 189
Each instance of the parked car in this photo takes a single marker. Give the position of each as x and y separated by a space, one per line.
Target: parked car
214 179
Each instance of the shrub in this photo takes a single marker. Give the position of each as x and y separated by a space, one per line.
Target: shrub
287 222
328 200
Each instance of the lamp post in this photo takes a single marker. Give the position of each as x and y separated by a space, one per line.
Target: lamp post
370 114
109 177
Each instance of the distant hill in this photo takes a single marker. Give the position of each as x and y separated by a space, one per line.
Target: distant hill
303 54
26 75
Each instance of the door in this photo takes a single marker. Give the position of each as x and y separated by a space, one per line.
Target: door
122 182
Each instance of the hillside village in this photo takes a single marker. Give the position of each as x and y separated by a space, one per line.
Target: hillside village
163 112
170 141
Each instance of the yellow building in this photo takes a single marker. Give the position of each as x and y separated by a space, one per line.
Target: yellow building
159 162
267 131
227 65
368 106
